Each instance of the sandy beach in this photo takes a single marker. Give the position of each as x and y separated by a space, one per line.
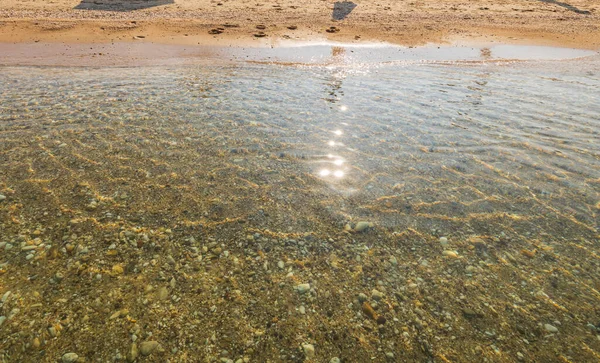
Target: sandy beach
258 22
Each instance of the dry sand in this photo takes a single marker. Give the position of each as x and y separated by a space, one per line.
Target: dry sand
547 22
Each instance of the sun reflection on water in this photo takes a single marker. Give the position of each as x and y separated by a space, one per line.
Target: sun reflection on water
324 173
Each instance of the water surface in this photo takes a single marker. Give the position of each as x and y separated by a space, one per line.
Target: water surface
275 163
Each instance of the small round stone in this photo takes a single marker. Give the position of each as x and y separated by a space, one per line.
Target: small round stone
302 288
362 297
309 350
70 358
363 226
376 295
147 348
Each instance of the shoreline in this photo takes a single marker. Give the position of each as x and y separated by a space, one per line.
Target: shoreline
286 53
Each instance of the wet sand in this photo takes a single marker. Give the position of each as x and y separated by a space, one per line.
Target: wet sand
286 53
573 24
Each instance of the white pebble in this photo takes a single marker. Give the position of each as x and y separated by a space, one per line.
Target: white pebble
444 241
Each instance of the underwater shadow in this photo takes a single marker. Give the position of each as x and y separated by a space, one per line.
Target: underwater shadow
121 5
342 9
566 6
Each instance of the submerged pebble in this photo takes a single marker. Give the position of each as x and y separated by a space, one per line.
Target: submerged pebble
376 295
450 254
309 350
302 288
444 241
133 353
362 297
147 348
163 293
369 311
363 226
70 358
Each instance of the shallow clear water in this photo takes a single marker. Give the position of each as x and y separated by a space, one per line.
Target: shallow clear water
421 146
207 195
